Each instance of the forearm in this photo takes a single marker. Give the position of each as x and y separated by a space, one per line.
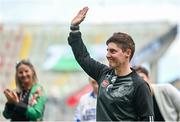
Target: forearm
20 107
36 111
92 67
77 45
8 110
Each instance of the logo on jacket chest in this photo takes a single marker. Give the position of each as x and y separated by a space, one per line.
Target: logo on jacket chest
105 83
114 88
108 82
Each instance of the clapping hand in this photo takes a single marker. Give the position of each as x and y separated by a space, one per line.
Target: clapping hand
79 17
11 96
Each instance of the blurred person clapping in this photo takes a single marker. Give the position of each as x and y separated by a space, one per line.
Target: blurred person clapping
27 103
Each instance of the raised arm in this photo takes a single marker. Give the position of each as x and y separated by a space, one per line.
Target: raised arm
92 67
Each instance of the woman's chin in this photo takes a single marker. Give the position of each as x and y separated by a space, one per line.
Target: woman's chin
24 85
111 66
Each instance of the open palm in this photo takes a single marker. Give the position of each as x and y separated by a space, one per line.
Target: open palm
79 17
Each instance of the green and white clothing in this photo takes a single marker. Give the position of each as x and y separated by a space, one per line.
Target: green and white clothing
31 106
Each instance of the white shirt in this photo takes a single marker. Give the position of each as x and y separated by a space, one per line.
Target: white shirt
86 109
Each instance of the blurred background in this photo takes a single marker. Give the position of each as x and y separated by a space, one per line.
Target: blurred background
38 30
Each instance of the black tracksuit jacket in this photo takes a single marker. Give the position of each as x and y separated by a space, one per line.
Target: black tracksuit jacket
120 98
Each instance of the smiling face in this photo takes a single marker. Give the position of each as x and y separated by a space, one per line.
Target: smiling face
25 76
122 41
116 56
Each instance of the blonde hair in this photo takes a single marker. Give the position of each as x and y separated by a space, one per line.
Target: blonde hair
29 64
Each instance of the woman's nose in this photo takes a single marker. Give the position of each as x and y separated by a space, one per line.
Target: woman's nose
23 74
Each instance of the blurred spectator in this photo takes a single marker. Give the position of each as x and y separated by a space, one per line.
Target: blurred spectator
166 98
86 109
176 83
28 102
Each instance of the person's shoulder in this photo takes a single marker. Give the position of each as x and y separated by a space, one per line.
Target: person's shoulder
137 79
38 84
37 87
165 88
163 85
86 95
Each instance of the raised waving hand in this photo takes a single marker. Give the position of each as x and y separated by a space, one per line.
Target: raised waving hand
79 17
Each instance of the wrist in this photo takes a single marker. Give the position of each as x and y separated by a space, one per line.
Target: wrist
74 27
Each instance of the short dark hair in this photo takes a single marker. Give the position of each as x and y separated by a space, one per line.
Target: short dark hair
123 40
140 69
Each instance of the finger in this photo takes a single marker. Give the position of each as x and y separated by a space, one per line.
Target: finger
9 94
7 91
84 11
15 97
14 94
